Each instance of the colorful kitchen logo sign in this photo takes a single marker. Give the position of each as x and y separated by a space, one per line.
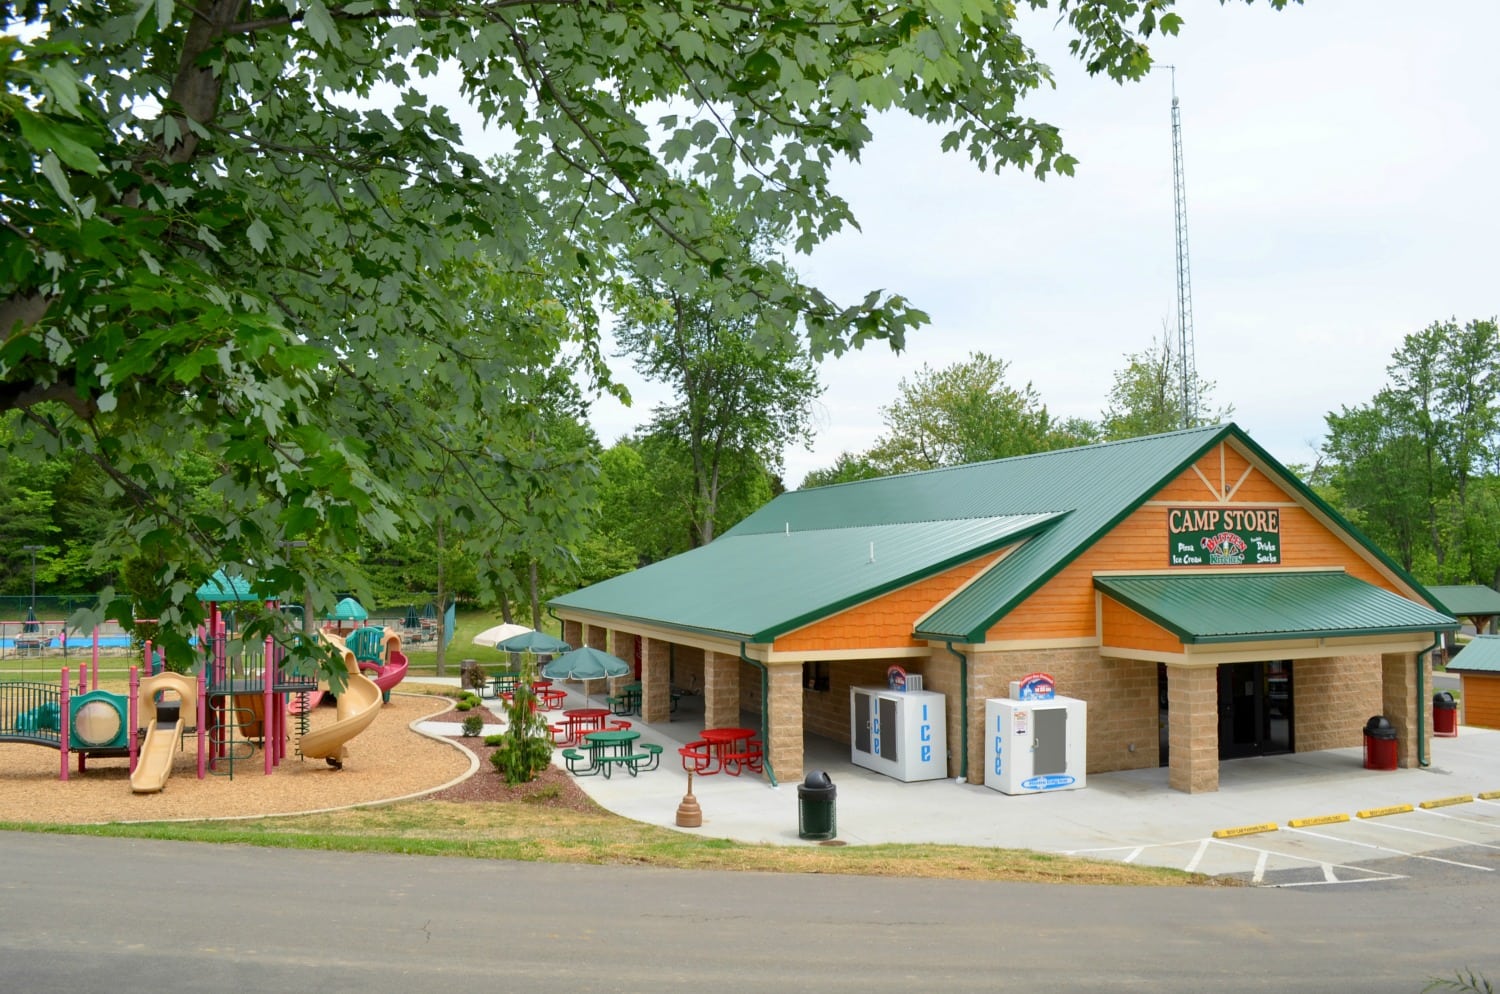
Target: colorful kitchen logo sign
1223 536
1035 687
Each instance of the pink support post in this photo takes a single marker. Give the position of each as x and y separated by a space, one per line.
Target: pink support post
202 720
64 725
150 660
132 710
267 717
96 659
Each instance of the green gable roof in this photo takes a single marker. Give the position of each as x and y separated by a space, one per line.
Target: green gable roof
803 556
1481 655
1208 608
1468 600
753 586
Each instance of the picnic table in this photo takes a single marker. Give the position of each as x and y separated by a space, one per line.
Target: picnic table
627 700
723 750
578 722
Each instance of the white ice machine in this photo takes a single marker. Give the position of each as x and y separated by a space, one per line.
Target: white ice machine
1035 746
901 733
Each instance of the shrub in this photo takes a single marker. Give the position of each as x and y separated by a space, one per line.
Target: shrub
494 740
464 705
473 725
473 675
526 745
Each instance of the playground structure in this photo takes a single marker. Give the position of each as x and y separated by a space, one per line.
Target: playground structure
244 695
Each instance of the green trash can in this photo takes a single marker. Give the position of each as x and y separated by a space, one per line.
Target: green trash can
816 817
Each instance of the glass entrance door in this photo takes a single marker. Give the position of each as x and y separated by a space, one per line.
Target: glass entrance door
1255 709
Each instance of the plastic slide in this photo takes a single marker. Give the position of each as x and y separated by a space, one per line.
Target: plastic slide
357 707
390 674
154 763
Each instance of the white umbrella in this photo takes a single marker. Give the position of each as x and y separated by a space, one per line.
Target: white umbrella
499 633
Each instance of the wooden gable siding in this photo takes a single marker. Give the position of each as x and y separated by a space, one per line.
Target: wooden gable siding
1064 606
885 622
1123 627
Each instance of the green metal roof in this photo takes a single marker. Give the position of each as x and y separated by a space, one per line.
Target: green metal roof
754 586
1481 655
222 588
753 582
1468 600
1208 608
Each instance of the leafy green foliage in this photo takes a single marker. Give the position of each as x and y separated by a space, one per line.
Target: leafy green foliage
244 230
526 749
1147 396
1415 467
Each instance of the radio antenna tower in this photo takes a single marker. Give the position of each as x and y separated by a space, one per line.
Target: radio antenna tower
1186 362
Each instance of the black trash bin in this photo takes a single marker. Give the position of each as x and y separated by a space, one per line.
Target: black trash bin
816 818
1444 714
1380 744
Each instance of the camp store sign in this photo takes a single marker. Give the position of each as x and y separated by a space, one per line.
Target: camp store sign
1223 536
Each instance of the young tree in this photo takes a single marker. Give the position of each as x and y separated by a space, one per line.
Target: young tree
214 230
964 413
744 384
1146 398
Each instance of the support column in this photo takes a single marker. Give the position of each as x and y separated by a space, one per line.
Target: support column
784 742
572 633
1399 703
1193 728
656 681
596 637
623 647
721 690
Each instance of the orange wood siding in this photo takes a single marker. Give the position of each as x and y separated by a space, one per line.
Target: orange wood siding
1481 700
1123 627
887 621
1064 606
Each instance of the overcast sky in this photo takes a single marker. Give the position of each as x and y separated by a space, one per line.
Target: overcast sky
1340 162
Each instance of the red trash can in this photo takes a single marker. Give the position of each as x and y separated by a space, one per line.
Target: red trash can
1444 715
1380 744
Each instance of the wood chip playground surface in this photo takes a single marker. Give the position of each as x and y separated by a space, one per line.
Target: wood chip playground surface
387 761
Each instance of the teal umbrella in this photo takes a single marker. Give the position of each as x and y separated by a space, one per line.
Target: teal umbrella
349 609
538 643
585 664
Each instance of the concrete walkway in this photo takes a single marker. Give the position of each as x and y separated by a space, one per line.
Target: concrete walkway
1132 816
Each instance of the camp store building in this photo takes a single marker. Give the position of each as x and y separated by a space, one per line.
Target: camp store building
1202 600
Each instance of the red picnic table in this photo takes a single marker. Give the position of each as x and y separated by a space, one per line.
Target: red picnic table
578 722
723 750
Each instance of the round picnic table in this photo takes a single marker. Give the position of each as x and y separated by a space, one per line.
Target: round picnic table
723 741
579 721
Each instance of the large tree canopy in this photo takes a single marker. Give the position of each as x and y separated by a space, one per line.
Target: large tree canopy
244 224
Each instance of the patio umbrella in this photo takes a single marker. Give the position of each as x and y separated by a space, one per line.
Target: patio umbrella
538 643
585 664
349 609
490 636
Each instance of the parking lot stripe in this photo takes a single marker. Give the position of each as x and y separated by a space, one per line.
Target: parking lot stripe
1436 835
1192 866
1397 852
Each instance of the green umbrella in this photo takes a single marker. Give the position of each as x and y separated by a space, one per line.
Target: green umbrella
585 664
537 643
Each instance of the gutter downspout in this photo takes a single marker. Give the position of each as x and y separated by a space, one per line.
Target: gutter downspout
963 712
765 710
1422 761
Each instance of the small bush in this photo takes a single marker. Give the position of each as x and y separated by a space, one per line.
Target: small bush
463 705
494 740
473 675
473 725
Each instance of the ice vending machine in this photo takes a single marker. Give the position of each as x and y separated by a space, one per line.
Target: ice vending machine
901 733
1034 746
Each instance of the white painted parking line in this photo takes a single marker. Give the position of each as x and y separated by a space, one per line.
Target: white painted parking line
1260 866
1362 874
1134 854
1479 822
1457 839
1388 849
1192 866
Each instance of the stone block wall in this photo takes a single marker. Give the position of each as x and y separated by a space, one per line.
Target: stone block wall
1124 721
1331 700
